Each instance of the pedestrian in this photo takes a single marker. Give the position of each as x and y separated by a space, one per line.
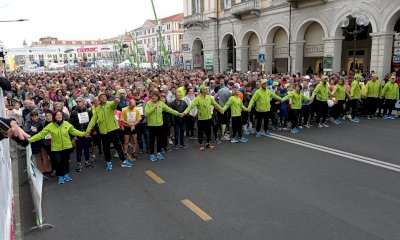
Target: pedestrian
130 117
179 123
390 93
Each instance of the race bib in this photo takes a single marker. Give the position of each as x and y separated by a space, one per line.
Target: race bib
131 116
48 136
83 117
140 109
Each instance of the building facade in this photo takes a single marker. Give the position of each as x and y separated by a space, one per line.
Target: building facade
256 34
148 40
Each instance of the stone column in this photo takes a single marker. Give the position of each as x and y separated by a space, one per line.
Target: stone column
223 58
268 50
242 58
297 56
333 48
381 53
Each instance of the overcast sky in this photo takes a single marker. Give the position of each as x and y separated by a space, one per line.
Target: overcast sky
77 19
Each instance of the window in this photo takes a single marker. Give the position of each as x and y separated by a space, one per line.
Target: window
148 31
168 26
145 41
152 30
168 37
48 56
197 6
144 32
180 26
153 40
61 55
227 4
53 42
70 55
89 55
181 37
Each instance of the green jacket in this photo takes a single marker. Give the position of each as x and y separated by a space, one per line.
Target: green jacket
321 92
390 91
297 99
104 116
203 103
263 100
155 114
355 90
340 92
373 88
60 135
236 106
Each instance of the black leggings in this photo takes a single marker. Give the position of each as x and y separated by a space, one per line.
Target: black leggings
260 117
294 114
339 110
61 161
388 106
304 114
156 132
237 126
321 108
372 105
190 121
114 138
355 104
204 127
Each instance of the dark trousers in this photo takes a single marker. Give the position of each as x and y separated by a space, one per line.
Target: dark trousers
388 106
143 136
179 133
61 161
114 138
355 104
190 121
166 132
304 114
204 127
237 126
294 117
372 105
338 109
155 133
321 108
83 144
245 117
260 116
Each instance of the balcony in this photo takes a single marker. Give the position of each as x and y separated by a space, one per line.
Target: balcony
193 19
246 8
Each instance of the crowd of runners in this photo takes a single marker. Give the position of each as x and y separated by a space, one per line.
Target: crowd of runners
150 111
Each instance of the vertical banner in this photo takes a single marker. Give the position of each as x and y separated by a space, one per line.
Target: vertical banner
36 182
209 62
6 193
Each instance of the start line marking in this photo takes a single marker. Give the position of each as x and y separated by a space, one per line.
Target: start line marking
340 153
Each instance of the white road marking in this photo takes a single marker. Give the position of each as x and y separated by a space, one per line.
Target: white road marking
340 153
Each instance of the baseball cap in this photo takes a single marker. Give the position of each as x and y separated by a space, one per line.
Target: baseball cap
203 87
263 81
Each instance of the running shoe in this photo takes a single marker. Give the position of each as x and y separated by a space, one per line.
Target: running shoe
225 138
234 140
153 158
253 131
391 117
320 125
218 141
325 125
89 164
258 135
201 147
108 166
386 117
160 156
60 180
67 178
209 146
267 133
369 117
300 127
184 146
244 140
354 120
116 154
294 130
126 164
176 147
308 126
337 121
79 167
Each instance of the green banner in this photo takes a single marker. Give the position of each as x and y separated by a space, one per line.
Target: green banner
209 62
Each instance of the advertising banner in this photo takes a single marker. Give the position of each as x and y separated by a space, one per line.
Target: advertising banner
209 62
36 182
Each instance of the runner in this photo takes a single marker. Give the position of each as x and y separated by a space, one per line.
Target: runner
296 97
321 96
390 93
130 117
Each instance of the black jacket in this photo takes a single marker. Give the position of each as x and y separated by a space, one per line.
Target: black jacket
74 119
180 107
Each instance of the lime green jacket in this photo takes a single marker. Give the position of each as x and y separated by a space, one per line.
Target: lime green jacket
155 114
104 116
373 88
340 92
263 100
297 99
355 90
321 92
390 91
60 135
236 106
203 103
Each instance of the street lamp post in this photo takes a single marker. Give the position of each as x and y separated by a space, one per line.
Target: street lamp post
362 21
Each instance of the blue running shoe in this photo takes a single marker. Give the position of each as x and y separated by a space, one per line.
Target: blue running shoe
160 156
268 133
294 130
391 117
60 180
108 166
385 117
126 164
234 140
153 158
244 140
337 122
258 135
67 178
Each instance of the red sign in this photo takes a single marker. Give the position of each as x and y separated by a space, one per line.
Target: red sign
84 50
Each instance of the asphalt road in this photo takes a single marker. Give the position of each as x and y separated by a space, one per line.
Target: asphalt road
264 189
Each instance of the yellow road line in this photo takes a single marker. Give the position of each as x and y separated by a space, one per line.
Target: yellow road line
203 215
154 176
